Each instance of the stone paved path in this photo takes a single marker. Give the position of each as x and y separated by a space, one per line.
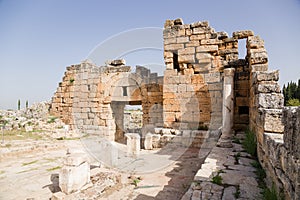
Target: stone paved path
238 181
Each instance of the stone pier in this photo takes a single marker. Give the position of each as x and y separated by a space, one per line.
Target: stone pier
228 108
133 144
74 174
148 141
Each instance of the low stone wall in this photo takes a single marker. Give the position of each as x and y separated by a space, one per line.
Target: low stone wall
279 155
276 127
277 133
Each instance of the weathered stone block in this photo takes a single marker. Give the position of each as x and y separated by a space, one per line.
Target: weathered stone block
133 144
242 34
197 37
178 21
73 177
210 41
188 31
188 58
197 79
184 39
199 30
255 42
187 50
193 43
272 120
291 131
258 56
199 24
222 35
259 67
265 76
207 48
212 77
270 101
228 51
267 88
148 141
173 47
170 41
204 56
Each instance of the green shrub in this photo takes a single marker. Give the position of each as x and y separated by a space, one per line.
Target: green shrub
271 194
51 119
249 143
72 80
217 179
293 102
237 194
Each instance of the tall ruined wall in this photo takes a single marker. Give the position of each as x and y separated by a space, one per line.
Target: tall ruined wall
195 56
75 100
91 99
276 127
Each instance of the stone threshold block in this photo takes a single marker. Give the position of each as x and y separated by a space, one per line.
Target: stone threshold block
75 173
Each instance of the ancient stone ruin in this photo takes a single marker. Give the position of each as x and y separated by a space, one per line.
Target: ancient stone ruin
206 86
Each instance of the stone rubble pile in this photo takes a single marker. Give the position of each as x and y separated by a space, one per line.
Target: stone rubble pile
35 119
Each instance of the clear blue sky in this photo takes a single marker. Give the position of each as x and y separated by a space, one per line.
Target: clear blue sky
38 39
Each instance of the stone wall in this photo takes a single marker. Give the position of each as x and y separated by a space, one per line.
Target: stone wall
91 99
195 56
276 127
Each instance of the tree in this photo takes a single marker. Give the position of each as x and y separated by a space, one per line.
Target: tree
19 104
291 93
26 104
298 90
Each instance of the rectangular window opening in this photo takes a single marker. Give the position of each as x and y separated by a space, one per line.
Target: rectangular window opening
175 62
125 91
242 49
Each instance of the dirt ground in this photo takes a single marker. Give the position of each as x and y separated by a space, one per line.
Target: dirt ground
29 170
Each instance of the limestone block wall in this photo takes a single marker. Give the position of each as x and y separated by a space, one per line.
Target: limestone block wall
91 99
192 79
61 105
75 96
276 127
195 56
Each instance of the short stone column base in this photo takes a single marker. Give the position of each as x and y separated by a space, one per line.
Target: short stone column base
225 143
